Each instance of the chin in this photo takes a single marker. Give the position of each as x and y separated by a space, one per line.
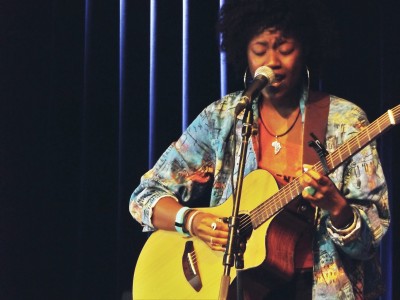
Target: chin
276 91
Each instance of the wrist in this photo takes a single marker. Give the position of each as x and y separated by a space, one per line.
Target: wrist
349 232
342 218
188 224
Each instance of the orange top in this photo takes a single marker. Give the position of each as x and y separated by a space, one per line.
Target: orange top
283 166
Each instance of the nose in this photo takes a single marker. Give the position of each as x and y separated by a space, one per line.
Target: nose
272 59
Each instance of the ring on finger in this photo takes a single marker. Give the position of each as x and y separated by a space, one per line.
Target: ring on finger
310 190
213 225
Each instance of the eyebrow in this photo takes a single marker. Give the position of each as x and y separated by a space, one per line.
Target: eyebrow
278 41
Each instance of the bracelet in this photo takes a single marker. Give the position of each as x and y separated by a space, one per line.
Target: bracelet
189 224
179 219
349 227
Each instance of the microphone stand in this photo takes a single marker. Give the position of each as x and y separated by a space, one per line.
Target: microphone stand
232 251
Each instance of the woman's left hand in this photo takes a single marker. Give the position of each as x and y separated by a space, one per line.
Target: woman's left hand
320 191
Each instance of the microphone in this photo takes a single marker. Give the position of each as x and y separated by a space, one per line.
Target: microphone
262 77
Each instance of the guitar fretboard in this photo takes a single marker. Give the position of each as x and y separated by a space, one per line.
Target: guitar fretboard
277 202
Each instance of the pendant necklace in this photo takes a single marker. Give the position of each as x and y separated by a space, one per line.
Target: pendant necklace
276 144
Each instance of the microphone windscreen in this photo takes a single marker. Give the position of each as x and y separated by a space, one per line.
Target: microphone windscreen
266 72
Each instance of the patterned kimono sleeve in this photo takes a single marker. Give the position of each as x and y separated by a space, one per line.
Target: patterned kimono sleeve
363 184
181 172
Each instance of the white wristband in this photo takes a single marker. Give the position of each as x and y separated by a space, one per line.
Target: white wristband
179 219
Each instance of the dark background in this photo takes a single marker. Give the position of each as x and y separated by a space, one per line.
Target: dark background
74 128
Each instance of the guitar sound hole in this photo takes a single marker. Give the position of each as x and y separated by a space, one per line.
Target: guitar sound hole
245 226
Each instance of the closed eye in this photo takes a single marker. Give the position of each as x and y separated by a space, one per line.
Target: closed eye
286 51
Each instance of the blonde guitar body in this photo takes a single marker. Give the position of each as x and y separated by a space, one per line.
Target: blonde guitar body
159 273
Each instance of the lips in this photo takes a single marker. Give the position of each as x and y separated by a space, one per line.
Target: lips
278 79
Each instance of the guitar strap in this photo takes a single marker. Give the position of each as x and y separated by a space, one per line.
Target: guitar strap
316 117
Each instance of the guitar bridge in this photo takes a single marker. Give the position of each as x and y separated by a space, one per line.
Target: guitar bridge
190 267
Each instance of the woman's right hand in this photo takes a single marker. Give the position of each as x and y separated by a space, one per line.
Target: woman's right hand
209 228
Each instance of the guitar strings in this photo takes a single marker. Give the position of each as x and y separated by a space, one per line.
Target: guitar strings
294 186
193 256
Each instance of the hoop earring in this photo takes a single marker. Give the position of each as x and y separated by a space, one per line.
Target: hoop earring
247 79
308 78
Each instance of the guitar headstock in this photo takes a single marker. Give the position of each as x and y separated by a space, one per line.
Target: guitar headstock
394 115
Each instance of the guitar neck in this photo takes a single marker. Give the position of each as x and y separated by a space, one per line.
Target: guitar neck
277 202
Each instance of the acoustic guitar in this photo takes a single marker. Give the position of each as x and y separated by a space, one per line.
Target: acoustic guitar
172 266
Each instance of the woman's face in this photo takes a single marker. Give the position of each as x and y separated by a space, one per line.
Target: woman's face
284 55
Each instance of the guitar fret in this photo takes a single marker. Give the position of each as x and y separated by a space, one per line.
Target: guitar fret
375 131
291 194
340 155
259 218
276 206
379 127
267 213
332 163
255 220
349 149
358 142
297 189
320 168
369 138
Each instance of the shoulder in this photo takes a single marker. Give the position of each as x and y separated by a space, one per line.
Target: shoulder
337 102
221 110
226 104
344 111
217 118
340 109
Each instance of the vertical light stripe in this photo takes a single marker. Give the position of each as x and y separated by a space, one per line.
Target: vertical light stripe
121 200
83 154
122 19
86 46
222 64
185 63
223 76
152 79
